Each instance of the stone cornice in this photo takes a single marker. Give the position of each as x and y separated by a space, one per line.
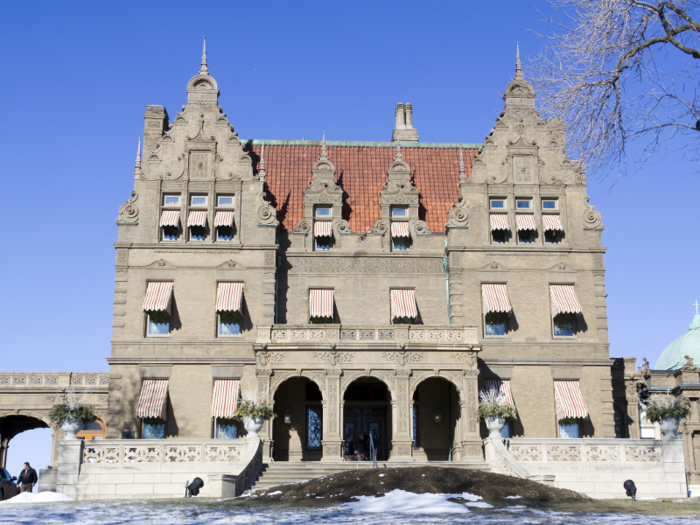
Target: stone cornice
180 361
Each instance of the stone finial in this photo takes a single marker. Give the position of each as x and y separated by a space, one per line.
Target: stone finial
462 169
519 91
398 157
203 70
404 130
137 166
324 151
518 65
261 171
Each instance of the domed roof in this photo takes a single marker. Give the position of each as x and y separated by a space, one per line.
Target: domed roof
688 344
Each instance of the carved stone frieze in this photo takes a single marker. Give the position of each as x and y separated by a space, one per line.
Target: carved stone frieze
362 265
334 357
403 357
263 357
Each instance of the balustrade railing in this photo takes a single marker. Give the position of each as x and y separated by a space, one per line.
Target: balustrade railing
364 334
579 450
55 380
163 451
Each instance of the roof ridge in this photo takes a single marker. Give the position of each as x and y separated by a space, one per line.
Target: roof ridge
358 144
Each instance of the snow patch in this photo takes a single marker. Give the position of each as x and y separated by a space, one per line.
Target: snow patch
41 497
275 493
514 497
401 501
382 475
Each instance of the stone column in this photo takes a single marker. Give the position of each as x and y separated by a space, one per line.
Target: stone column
471 438
401 403
332 428
263 376
4 443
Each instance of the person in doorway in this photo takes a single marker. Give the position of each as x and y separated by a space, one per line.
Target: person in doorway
27 479
362 446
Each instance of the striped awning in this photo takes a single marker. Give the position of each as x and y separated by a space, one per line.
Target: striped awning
495 298
225 400
153 398
525 221
564 300
403 304
400 229
170 218
499 221
320 303
197 218
323 229
569 400
228 297
158 297
552 222
223 218
500 386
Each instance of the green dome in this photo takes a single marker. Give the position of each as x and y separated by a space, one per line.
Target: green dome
688 344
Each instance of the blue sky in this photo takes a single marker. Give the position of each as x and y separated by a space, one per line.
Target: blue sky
79 75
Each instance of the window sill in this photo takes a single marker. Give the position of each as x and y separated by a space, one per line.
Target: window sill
153 336
501 337
564 337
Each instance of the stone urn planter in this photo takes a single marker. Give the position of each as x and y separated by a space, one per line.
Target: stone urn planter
71 427
253 424
495 424
669 427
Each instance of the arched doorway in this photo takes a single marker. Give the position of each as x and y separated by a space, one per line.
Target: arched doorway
27 437
297 431
367 411
94 430
435 420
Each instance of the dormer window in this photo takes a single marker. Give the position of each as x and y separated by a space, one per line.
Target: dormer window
171 200
198 200
324 212
498 204
399 212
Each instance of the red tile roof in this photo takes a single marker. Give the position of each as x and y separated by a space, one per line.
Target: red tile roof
361 172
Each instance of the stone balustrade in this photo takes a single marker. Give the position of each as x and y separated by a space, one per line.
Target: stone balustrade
367 335
55 380
159 451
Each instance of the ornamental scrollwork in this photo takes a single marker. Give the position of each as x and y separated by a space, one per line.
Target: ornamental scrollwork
267 214
129 212
459 215
591 217
334 357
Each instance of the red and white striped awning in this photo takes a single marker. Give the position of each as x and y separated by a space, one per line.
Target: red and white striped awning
569 400
525 221
500 386
153 398
552 222
403 304
197 218
323 229
228 297
495 298
170 218
320 303
223 218
225 401
400 229
564 300
499 221
158 297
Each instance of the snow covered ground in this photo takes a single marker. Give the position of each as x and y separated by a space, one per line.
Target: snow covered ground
398 507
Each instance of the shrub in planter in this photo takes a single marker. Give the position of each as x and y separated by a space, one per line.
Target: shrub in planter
73 413
659 409
493 404
253 410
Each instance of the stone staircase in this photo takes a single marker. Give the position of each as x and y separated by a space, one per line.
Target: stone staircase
282 472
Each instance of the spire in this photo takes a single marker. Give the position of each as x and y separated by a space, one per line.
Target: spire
462 170
203 70
137 166
261 170
518 66
324 152
398 157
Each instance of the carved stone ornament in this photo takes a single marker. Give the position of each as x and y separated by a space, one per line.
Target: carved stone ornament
263 357
402 357
267 214
458 215
334 357
129 212
363 265
591 217
689 366
464 357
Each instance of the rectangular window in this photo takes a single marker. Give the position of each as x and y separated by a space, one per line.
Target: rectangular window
225 200
523 204
564 325
500 236
153 429
526 236
229 324
171 233
323 243
549 204
226 429
553 236
498 204
324 211
401 244
399 212
224 233
198 200
198 233
314 427
171 200
569 430
505 432
158 324
495 323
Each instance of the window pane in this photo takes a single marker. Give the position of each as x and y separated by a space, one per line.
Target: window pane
564 325
158 323
401 243
198 233
525 236
224 233
170 233
498 203
495 323
505 432
314 428
153 430
500 236
225 201
229 323
568 431
523 204
323 243
226 429
172 200
199 201
323 212
399 212
549 205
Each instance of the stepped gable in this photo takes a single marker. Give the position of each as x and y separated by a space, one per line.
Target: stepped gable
361 172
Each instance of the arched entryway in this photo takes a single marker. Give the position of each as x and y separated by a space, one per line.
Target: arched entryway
27 437
297 431
367 411
435 417
94 430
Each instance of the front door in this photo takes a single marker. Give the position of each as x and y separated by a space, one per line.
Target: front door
366 421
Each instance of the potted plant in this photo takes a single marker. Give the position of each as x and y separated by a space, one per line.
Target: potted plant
667 412
253 410
73 413
495 410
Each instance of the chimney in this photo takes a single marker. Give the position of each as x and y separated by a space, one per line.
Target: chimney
404 131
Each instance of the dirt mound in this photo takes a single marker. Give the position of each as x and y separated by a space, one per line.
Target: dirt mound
345 486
